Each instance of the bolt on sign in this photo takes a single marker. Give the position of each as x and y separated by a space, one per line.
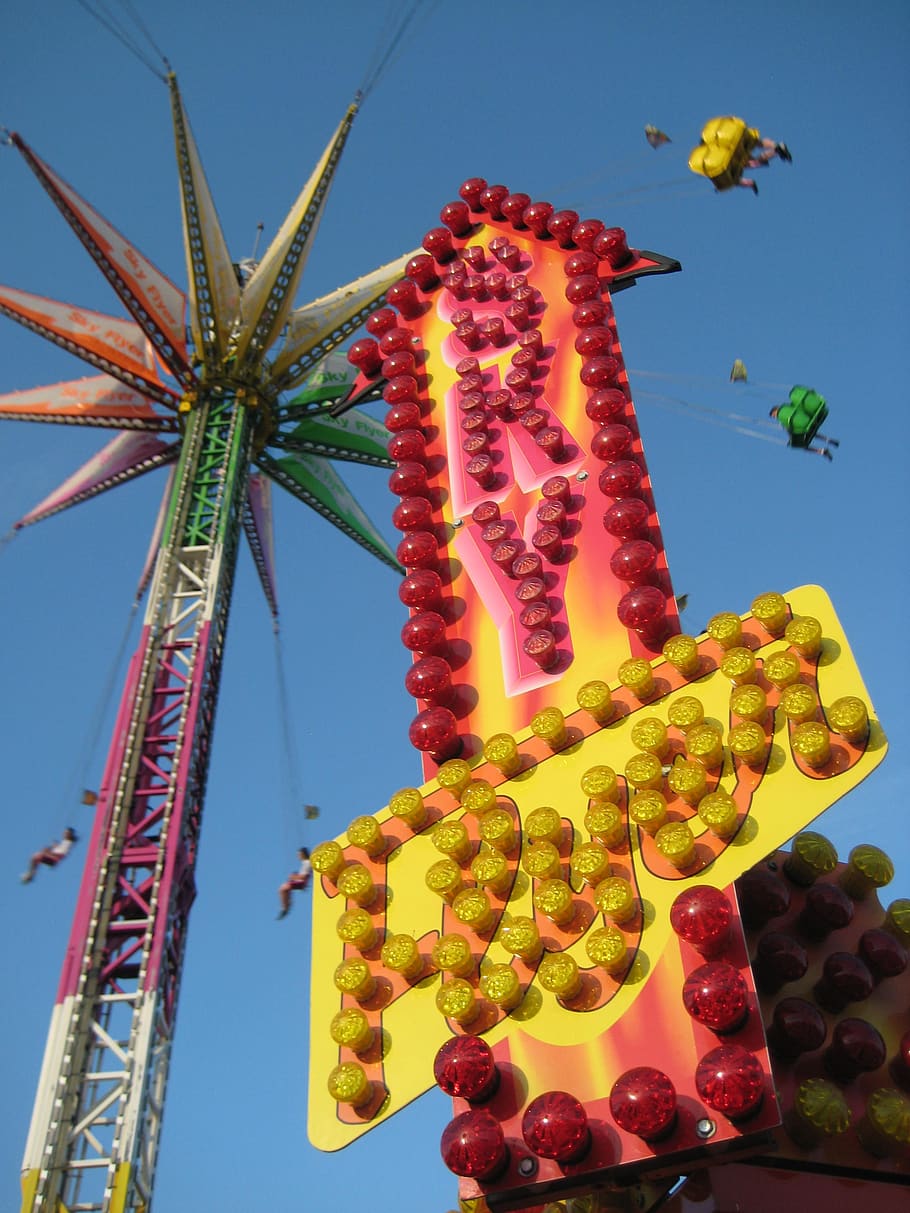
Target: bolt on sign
586 765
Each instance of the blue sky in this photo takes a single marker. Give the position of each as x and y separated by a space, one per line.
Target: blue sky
806 283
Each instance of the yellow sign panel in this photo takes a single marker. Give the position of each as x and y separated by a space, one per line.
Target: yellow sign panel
722 750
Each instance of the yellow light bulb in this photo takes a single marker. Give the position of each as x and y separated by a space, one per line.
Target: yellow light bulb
541 861
348 1084
498 829
444 878
726 629
615 898
364 833
897 920
738 664
599 785
549 725
559 975
328 860
805 635
356 884
500 984
885 1129
553 898
478 797
502 751
685 712
719 813
812 742
781 669
648 809
451 838
682 653
650 735
473 910
350 1029
491 870
590 863
812 856
454 776
407 805
356 927
354 977
452 954
770 610
606 947
687 780
848 717
867 868
520 937
604 822
544 824
749 702
705 744
456 1000
644 771
595 698
798 702
748 743
636 676
676 843
819 1111
401 955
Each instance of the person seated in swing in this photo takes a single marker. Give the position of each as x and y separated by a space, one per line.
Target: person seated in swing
52 855
297 880
802 418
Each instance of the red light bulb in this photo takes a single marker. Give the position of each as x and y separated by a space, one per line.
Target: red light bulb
611 246
591 312
606 404
500 403
845 978
467 366
731 1080
471 191
514 207
557 488
420 588
394 340
634 562
518 315
643 610
403 296
621 479
422 270
780 959
827 908
716 995
628 518
417 550
884 954
491 199
551 442
548 541
611 442
762 896
423 632
401 388
560 226
531 589
457 218
701 915
643 1102
582 288
494 533
552 513
412 514
582 262
404 416
537 217
430 678
527 564
555 1125
586 232
503 555
438 243
402 362
599 372
594 340
487 511
407 446
537 615
796 1027
465 1069
380 321
365 355
473 1145
540 646
435 732
409 480
856 1048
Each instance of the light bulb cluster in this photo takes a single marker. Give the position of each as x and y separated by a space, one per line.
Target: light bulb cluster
833 978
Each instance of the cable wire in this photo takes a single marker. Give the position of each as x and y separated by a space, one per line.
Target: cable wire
113 28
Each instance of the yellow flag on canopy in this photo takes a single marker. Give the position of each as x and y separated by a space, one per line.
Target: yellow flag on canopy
738 372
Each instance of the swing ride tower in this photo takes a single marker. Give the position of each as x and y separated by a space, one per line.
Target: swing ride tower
96 1122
